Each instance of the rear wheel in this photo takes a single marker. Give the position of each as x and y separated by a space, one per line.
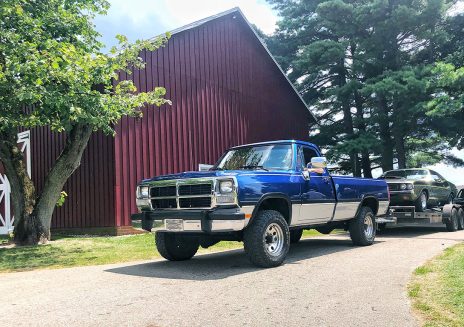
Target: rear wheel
461 219
176 247
421 202
267 240
362 227
452 222
295 235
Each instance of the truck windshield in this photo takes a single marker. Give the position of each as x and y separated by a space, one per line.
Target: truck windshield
265 157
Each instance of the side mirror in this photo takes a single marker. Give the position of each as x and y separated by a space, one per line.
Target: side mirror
318 162
204 167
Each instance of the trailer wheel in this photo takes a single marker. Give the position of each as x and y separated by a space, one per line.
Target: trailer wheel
267 240
461 219
362 227
452 222
295 235
176 247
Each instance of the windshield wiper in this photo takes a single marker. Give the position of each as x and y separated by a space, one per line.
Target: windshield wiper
253 167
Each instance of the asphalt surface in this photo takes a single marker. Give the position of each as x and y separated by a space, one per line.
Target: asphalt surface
325 282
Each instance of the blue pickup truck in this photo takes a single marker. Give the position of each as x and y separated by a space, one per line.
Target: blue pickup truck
263 194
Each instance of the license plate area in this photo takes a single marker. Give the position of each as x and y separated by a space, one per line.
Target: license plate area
174 225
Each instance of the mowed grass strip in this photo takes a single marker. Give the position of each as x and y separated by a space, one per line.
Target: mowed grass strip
437 289
88 251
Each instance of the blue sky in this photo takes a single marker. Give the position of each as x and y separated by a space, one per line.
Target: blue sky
142 19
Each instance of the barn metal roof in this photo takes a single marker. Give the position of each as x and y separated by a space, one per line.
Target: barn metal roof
237 10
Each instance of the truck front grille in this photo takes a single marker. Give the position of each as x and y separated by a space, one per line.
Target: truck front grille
203 202
163 191
164 203
185 195
195 189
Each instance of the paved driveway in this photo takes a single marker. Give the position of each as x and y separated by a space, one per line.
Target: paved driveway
325 282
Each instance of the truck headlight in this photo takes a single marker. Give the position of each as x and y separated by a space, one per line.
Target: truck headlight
226 186
409 186
402 186
143 192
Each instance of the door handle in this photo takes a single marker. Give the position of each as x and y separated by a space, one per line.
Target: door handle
326 179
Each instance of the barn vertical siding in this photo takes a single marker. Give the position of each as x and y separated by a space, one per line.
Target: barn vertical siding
90 201
225 90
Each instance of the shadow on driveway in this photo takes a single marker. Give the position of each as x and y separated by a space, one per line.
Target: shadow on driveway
422 232
230 263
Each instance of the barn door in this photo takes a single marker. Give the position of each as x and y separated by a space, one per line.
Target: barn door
6 218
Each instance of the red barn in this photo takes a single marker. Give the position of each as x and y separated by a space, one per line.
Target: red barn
226 89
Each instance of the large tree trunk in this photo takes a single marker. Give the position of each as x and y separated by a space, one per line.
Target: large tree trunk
33 218
22 190
348 119
400 148
68 161
365 160
385 136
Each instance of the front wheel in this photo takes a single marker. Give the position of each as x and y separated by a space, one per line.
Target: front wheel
362 227
421 202
452 223
267 239
461 219
176 247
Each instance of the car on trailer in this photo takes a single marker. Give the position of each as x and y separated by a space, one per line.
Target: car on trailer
451 215
419 187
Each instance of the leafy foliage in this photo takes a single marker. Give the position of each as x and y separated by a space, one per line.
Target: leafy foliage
50 62
53 73
371 71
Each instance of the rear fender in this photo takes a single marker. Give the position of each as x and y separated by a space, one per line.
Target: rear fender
371 202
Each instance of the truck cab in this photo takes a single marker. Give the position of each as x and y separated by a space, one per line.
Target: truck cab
264 194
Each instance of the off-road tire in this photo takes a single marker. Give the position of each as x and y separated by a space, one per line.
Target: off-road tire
418 202
360 235
461 219
325 229
452 222
295 235
176 247
256 244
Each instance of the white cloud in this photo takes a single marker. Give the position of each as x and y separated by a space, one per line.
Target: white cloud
172 14
183 12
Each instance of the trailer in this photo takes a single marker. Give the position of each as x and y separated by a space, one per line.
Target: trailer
451 215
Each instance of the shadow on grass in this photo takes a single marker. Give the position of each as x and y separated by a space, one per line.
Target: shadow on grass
230 263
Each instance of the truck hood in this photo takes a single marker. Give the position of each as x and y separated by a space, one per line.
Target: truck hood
213 173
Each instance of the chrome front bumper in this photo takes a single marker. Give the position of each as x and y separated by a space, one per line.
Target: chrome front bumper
198 221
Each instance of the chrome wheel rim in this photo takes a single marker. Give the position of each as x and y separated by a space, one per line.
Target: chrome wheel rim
369 226
274 239
423 201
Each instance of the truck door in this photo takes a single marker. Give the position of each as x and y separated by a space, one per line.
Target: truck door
317 194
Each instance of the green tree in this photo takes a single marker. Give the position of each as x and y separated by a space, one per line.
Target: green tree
364 67
52 73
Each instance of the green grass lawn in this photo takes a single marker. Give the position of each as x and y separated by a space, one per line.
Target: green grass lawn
86 251
437 289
